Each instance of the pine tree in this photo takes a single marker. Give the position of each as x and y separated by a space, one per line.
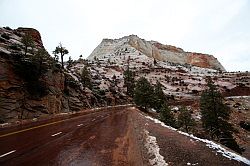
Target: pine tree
129 81
215 116
159 96
28 41
166 116
86 78
80 57
143 93
62 51
42 60
185 119
70 62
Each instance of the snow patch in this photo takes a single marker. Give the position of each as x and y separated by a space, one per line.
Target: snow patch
175 109
4 50
219 149
154 150
153 110
160 122
192 164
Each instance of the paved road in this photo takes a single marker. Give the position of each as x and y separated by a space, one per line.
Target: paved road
109 137
82 140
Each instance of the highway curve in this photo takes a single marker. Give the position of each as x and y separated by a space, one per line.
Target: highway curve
117 136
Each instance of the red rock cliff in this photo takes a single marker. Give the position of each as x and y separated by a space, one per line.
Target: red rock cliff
34 33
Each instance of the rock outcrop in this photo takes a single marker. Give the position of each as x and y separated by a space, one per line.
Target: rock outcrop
34 33
56 90
156 50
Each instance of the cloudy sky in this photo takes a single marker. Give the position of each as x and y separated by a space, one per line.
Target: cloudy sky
217 27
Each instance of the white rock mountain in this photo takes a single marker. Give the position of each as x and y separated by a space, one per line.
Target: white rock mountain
153 49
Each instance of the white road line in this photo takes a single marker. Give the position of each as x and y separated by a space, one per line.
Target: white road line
7 153
56 134
93 120
79 125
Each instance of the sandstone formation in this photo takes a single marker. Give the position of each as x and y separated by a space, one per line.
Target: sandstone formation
34 33
158 51
62 94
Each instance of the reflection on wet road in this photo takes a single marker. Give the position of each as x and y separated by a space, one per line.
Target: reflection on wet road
84 140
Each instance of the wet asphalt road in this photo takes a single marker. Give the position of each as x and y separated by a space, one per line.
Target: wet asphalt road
76 141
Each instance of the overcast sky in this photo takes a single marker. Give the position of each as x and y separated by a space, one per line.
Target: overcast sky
217 27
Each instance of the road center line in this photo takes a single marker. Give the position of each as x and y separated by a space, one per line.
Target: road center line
48 124
93 120
7 153
79 125
56 134
20 131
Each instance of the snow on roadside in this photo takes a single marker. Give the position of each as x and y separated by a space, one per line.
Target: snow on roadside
154 150
210 144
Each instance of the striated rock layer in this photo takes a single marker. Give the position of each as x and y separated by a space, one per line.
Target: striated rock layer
156 50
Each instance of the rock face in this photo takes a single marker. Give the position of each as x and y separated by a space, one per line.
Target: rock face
34 33
15 100
156 50
56 90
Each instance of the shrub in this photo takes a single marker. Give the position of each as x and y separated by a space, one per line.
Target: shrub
245 125
15 47
7 28
5 36
166 116
185 119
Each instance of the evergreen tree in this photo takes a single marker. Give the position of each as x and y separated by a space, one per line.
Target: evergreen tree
155 62
42 60
215 116
185 119
27 40
61 51
166 116
159 96
129 81
70 62
80 57
143 93
86 78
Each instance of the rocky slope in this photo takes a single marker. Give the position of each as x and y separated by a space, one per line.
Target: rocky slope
181 82
156 50
21 99
178 71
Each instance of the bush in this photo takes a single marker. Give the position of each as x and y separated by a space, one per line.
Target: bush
2 40
7 28
15 47
5 36
185 119
166 116
245 125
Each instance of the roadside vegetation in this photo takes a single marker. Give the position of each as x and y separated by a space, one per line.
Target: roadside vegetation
215 114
